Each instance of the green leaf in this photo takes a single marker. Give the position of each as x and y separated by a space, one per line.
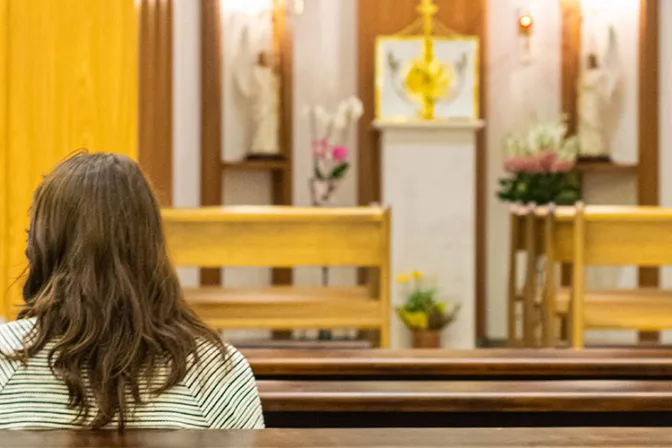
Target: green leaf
339 171
540 188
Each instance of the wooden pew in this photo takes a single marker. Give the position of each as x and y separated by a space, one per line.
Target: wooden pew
347 438
466 403
475 365
607 236
286 237
526 237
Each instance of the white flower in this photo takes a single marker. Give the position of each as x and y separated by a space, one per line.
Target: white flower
340 120
356 108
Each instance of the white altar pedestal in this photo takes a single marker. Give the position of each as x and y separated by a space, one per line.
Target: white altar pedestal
429 181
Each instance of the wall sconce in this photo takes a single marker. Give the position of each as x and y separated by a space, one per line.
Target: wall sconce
525 29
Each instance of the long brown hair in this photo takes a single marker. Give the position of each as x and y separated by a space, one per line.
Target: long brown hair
107 301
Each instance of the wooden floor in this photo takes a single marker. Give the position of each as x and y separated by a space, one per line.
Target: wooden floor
349 438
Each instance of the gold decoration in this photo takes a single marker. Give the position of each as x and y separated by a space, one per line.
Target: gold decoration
428 78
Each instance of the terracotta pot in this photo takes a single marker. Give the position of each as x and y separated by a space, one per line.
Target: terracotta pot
426 339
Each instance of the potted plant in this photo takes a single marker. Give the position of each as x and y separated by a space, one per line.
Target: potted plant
541 166
422 313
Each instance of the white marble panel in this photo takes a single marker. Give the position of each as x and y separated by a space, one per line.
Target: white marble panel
429 181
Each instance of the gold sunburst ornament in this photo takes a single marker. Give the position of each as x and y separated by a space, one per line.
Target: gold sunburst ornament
427 77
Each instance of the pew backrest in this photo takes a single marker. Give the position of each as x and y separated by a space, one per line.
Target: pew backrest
278 236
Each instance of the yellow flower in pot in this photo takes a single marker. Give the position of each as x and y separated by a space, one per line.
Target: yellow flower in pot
422 313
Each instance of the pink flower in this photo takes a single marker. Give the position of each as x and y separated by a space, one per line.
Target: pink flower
340 153
562 166
522 164
514 164
320 148
547 160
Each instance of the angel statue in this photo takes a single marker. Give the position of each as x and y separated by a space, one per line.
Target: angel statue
597 90
257 80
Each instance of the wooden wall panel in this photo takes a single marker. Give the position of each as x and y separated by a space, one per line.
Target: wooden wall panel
570 61
211 114
378 17
155 145
648 187
72 82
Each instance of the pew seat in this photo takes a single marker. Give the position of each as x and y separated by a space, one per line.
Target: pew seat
466 396
610 309
305 404
482 364
286 307
347 438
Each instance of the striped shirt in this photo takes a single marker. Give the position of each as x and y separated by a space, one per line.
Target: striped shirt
215 393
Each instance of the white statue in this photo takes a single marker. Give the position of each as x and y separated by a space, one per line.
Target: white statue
597 89
257 79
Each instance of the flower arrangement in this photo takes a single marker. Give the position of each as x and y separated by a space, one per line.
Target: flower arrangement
421 311
541 166
330 134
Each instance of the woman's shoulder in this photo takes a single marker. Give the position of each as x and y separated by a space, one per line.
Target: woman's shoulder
13 334
224 386
223 359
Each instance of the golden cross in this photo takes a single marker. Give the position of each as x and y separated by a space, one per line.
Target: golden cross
428 10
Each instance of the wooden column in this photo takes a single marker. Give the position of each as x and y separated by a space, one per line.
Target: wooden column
211 115
648 191
155 148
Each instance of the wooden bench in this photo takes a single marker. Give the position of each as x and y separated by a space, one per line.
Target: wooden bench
477 365
286 237
466 403
347 438
606 236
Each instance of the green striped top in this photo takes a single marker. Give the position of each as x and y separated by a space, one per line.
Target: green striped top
216 393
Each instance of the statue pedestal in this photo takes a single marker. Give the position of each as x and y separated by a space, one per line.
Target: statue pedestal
429 181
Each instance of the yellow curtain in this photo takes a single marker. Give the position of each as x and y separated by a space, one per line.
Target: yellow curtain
68 80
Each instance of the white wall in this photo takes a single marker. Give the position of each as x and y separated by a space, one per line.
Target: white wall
325 72
518 92
186 113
